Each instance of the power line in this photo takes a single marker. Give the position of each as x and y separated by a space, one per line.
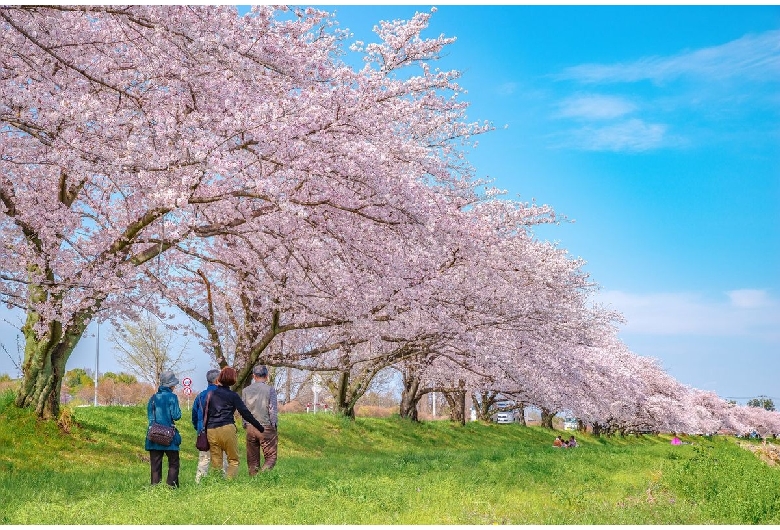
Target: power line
751 397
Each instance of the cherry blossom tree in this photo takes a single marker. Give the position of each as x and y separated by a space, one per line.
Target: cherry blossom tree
129 130
364 188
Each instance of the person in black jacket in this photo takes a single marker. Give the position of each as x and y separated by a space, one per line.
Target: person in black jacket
198 406
222 432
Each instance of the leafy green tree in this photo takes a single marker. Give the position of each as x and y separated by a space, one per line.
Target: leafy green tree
78 385
78 378
762 402
121 377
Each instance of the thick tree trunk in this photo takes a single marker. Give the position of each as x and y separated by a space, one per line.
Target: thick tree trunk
350 389
547 418
410 398
288 386
344 405
44 364
453 403
521 413
457 402
462 394
483 402
603 429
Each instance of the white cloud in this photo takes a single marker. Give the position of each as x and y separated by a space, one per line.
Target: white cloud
705 87
595 107
745 312
629 135
507 89
749 298
754 57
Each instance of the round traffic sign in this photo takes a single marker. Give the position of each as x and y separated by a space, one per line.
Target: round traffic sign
186 381
187 390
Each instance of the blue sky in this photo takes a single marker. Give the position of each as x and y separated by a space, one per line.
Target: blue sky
654 128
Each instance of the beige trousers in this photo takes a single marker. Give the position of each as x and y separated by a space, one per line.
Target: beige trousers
224 439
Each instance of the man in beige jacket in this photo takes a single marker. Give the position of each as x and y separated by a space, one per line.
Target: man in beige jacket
260 399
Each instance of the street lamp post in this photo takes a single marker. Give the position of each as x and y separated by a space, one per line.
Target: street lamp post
97 360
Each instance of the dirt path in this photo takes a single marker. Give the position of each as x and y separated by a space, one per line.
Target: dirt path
769 453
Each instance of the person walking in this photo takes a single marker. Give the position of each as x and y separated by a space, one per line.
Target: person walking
198 407
163 408
222 432
260 399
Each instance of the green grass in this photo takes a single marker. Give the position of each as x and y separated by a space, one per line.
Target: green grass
378 471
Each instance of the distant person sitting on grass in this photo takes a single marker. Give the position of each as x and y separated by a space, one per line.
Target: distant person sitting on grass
558 442
572 442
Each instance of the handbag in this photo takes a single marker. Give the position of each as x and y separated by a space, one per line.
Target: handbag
157 433
202 441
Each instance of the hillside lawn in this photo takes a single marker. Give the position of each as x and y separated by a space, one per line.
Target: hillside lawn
331 470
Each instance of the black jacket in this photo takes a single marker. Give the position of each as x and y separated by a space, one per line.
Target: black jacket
223 404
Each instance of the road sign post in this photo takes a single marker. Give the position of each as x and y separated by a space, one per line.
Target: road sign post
187 382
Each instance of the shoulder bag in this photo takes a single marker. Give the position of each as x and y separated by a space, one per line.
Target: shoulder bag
202 442
159 434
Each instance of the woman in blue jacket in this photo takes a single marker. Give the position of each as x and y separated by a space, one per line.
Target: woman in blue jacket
163 408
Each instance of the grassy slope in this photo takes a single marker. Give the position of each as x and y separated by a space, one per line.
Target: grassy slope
378 471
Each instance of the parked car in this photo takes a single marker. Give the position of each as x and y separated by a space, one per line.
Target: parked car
505 416
570 424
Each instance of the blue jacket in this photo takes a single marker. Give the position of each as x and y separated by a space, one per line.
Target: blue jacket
197 408
166 412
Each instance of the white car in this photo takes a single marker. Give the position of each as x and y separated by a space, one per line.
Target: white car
570 424
505 416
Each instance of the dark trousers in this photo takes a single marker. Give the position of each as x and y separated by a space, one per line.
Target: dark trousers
156 459
255 441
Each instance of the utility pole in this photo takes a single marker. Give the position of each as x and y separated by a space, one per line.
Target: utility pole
97 358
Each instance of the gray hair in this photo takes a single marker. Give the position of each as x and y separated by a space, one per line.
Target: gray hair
260 371
211 376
